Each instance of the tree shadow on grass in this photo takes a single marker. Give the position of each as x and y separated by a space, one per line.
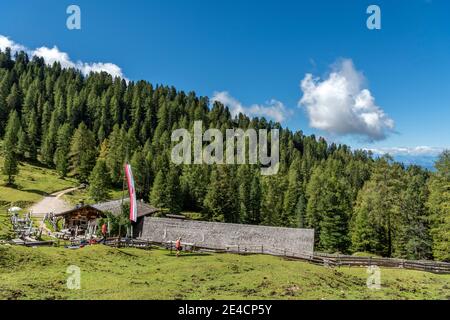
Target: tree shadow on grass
39 192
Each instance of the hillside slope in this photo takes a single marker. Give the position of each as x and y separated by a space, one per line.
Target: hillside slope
108 273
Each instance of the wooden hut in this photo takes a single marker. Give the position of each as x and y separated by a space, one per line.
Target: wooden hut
84 218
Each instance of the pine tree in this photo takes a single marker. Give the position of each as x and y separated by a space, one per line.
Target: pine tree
22 143
49 144
380 201
32 131
334 220
439 206
62 150
292 196
413 240
140 171
245 201
329 206
10 163
254 215
158 192
220 202
99 182
272 200
194 182
117 154
300 211
173 191
82 153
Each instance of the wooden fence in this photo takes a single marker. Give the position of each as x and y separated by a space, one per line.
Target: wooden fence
334 260
327 260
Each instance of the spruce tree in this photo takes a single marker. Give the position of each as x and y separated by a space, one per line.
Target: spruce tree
117 154
140 172
22 143
11 162
62 150
413 240
173 190
380 200
439 206
158 192
221 200
99 182
254 216
292 196
82 153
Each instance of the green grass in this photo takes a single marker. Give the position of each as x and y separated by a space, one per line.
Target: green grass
32 183
5 225
78 196
108 273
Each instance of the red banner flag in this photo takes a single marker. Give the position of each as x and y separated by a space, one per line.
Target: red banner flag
132 192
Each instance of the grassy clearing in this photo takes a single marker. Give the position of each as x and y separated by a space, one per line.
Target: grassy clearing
108 273
32 183
82 195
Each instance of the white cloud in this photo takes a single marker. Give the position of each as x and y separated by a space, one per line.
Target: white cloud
340 105
408 151
7 43
52 55
272 109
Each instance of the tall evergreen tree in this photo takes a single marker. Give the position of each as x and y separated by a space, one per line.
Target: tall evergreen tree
221 200
292 196
117 154
10 162
379 200
99 181
158 192
413 240
82 153
439 206
63 150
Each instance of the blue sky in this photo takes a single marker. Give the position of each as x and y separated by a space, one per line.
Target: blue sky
254 54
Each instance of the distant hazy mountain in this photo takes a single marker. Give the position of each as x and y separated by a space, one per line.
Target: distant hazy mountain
420 156
425 161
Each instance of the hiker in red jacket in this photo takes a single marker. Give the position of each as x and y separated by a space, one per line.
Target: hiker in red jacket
178 246
104 232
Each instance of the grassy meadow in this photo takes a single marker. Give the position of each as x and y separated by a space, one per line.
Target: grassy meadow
32 183
108 273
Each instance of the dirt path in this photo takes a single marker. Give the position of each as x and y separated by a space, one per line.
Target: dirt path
52 203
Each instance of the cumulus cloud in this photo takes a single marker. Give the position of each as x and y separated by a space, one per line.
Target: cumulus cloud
408 151
341 105
272 109
7 43
52 55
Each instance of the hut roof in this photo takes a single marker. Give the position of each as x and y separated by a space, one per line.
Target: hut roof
115 207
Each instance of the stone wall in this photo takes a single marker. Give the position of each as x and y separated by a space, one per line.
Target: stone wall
216 235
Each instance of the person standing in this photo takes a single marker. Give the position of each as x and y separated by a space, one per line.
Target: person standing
178 246
104 232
